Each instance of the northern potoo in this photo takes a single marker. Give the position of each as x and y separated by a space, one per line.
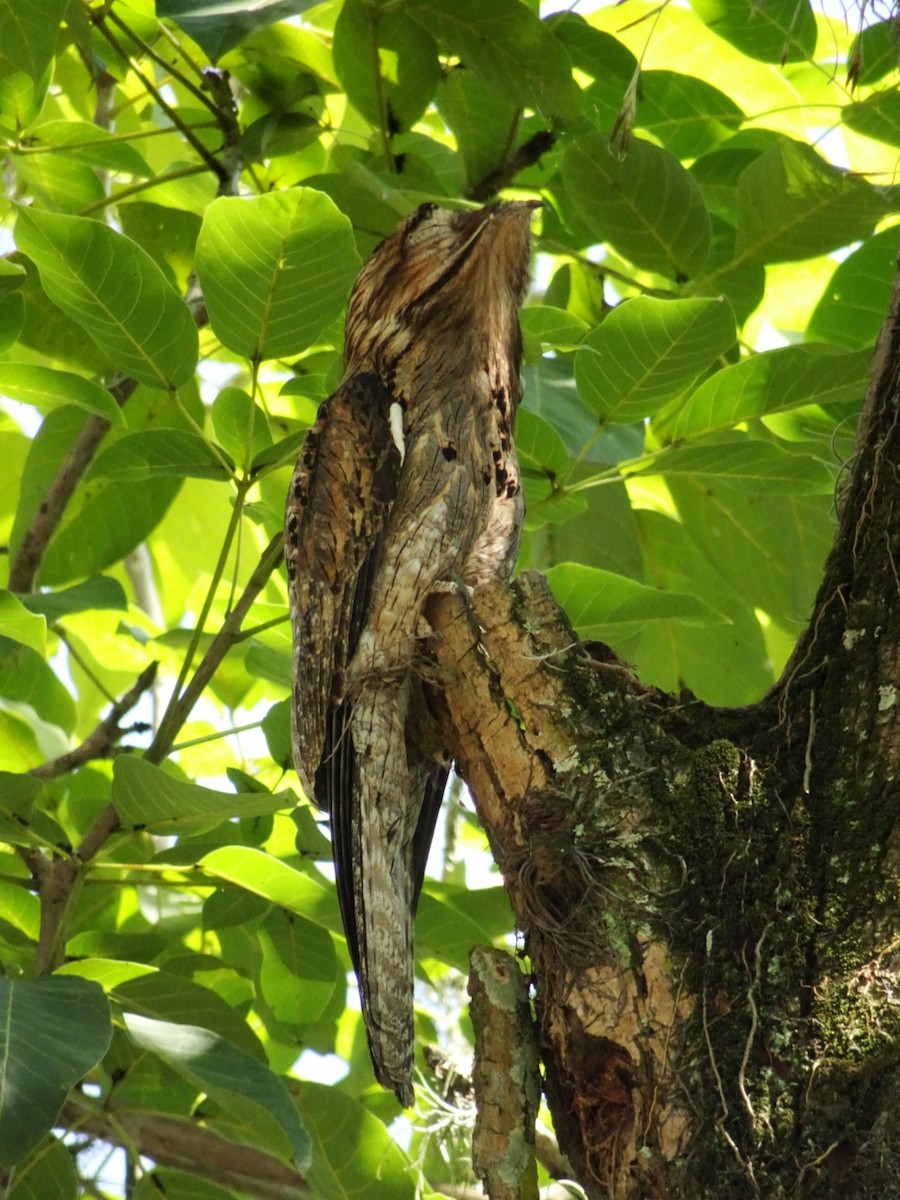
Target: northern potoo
407 480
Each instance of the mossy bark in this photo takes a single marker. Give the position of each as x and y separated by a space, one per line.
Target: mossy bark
709 898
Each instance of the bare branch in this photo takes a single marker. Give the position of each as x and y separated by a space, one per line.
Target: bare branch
100 742
184 1145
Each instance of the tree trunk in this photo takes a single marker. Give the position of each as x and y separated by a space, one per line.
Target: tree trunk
708 897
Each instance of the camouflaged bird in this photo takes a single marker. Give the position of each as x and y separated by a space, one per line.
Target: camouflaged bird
407 481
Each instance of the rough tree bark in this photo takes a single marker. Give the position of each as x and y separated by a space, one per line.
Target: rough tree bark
708 897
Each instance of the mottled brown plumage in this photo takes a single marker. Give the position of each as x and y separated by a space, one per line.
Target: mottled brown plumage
407 480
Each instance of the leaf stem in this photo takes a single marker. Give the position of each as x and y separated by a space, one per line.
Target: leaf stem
165 730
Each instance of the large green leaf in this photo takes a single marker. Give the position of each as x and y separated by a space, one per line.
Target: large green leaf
770 546
481 119
48 1174
687 115
747 464
241 426
299 969
144 795
647 352
722 664
47 389
28 34
387 63
508 46
275 269
602 605
218 25
353 1154
105 521
642 202
878 116
116 292
853 305
765 383
776 31
875 48
161 454
240 1083
53 1030
168 997
113 521
99 592
260 873
792 204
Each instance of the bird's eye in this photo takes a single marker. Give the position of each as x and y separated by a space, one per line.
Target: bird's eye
423 221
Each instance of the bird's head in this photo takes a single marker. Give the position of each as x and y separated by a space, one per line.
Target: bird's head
440 274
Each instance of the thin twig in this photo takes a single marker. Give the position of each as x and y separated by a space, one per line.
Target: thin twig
216 651
100 742
526 156
187 133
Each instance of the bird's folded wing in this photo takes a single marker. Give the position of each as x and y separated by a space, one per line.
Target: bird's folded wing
338 503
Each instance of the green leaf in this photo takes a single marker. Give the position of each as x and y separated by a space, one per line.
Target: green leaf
353 1153
144 795
21 909
591 50
31 687
28 34
553 327
876 48
21 625
161 454
878 116
219 25
775 31
445 933
49 1174
240 425
266 876
722 664
550 392
112 522
601 605
47 389
686 115
853 305
233 1078
765 383
281 452
116 292
386 62
93 146
508 46
647 352
276 728
770 547
275 270
539 446
747 464
53 1030
299 970
99 592
792 204
480 118
59 182
644 203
